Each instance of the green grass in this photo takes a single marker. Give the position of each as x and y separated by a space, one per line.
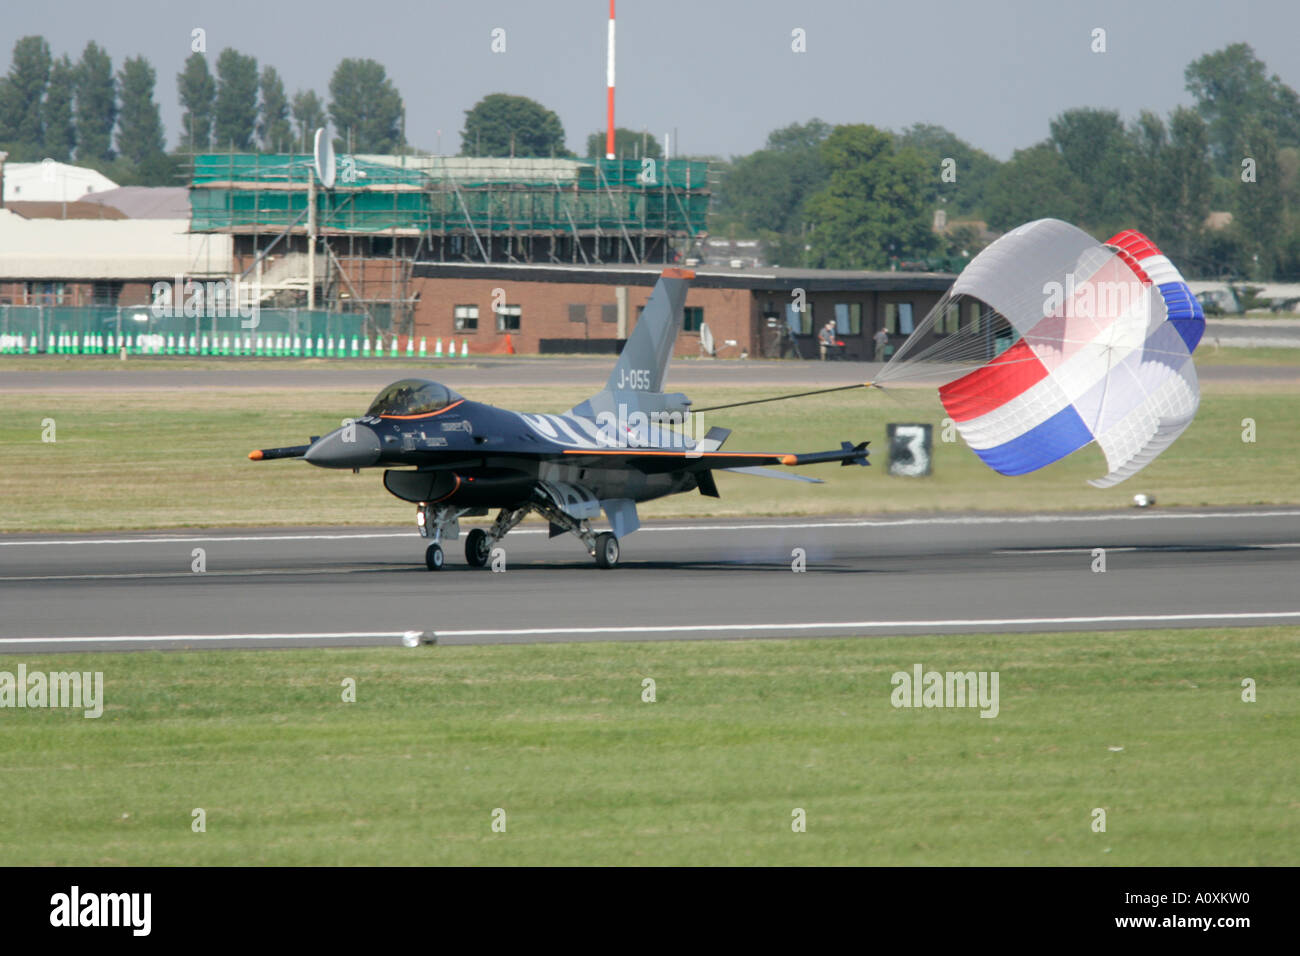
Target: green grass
157 459
741 734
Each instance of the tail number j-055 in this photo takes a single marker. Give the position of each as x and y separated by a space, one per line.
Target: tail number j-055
637 379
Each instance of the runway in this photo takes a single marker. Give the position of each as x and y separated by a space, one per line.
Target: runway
678 580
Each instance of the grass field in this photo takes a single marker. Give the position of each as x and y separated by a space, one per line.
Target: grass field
156 459
1148 726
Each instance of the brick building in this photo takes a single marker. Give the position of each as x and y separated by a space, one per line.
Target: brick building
552 308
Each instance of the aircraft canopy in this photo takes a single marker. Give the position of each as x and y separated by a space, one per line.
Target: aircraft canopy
412 396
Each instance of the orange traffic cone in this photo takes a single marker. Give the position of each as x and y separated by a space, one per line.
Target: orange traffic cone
510 345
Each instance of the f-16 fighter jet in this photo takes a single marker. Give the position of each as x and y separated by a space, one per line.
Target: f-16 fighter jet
630 442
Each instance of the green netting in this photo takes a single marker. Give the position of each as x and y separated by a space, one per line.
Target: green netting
245 191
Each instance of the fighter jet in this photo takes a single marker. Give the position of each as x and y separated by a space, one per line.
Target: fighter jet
630 442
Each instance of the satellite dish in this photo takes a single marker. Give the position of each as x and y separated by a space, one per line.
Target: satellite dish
706 338
324 153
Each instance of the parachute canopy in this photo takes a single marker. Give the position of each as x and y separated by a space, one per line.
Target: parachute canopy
1096 343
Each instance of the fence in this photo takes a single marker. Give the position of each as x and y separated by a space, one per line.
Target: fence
67 330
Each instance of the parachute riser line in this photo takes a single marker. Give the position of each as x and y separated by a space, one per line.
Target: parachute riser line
782 398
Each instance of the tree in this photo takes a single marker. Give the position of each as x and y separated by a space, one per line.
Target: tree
21 95
139 128
876 204
308 116
365 104
628 144
1097 150
1173 170
1231 88
766 190
60 131
969 173
799 136
1035 183
505 125
234 119
96 110
198 94
273 128
1260 208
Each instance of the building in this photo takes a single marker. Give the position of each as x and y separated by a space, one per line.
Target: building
564 308
99 260
48 181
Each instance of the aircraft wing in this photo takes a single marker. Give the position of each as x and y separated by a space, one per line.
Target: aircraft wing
652 460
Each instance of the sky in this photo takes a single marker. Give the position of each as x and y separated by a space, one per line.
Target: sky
721 73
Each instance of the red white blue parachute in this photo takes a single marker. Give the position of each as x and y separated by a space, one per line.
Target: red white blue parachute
1089 342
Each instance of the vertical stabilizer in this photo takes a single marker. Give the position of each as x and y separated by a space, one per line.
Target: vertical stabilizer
637 380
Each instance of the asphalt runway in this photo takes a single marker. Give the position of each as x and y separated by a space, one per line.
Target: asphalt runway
678 580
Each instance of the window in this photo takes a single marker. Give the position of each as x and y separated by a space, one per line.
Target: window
951 321
466 318
609 313
848 318
692 318
508 318
800 323
578 313
898 318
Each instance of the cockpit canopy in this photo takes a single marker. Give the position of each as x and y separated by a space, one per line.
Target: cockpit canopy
412 396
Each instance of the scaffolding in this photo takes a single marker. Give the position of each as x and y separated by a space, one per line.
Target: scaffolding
440 208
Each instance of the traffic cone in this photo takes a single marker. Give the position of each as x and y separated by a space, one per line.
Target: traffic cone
393 351
437 347
356 347
464 349
410 347
510 345
424 351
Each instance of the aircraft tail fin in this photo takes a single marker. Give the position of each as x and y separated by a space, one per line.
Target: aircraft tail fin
644 360
636 382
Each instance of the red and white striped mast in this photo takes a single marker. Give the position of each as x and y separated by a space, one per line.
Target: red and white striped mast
609 91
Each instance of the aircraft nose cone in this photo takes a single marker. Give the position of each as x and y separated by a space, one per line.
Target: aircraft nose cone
352 446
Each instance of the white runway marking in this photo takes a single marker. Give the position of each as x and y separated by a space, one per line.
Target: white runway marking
200 638
876 625
674 628
738 526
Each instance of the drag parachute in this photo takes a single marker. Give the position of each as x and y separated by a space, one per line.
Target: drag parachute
1074 341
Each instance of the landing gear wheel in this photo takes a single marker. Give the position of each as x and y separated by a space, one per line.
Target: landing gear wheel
606 550
433 557
477 548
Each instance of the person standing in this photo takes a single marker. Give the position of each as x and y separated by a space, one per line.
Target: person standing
881 338
826 338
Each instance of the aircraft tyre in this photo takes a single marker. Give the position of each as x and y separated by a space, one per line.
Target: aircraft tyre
606 550
433 557
477 548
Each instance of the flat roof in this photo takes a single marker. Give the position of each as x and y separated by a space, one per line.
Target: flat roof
706 277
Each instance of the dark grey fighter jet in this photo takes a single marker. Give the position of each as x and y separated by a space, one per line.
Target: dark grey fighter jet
629 442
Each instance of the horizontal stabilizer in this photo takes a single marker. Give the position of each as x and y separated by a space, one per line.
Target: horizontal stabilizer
773 473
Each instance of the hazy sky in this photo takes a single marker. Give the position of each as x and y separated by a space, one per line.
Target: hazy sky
720 72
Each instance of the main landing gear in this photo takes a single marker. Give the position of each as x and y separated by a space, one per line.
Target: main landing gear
438 522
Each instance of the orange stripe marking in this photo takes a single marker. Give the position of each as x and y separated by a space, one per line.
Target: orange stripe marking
407 418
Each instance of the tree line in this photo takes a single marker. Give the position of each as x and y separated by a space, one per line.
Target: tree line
85 111
855 196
